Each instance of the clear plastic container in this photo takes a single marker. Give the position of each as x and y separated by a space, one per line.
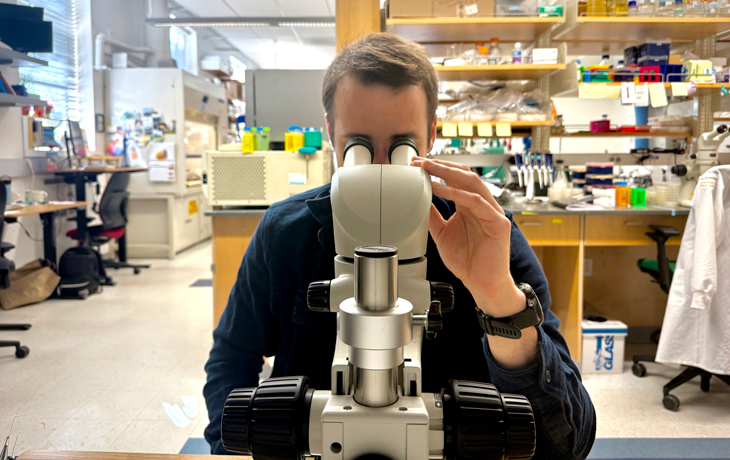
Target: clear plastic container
516 7
494 56
665 8
694 8
597 8
646 8
667 193
622 8
517 53
633 9
264 139
679 7
293 139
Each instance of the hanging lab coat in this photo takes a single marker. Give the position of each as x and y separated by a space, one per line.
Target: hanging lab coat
696 329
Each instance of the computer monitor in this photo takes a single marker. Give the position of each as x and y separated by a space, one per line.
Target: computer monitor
78 143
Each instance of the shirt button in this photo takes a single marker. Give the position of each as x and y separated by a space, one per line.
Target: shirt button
548 377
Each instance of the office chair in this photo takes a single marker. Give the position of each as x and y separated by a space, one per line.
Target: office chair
113 211
662 271
6 267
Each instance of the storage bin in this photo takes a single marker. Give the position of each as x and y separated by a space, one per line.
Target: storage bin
631 56
656 50
650 74
516 8
672 72
600 126
603 347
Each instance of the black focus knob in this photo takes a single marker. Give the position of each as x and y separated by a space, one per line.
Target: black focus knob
721 129
480 423
679 170
444 294
434 320
318 296
270 422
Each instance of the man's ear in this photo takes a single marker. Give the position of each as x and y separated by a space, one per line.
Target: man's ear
432 137
330 128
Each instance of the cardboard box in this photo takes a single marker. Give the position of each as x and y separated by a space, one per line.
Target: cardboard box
603 347
234 90
440 8
675 59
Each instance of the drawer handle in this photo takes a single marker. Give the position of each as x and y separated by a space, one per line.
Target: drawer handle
635 224
531 224
187 221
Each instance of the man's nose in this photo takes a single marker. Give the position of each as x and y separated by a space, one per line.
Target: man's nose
381 156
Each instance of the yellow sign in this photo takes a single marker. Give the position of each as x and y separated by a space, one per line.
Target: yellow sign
192 207
484 129
466 129
613 92
592 90
449 130
658 95
504 129
679 89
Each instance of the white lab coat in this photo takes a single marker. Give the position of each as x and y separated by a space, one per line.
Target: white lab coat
696 330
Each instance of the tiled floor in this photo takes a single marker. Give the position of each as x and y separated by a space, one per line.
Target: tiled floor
123 371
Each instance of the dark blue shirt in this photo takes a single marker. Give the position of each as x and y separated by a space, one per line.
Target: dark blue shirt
267 315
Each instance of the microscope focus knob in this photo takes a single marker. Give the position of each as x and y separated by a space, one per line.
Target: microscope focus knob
721 129
679 170
318 296
444 294
434 320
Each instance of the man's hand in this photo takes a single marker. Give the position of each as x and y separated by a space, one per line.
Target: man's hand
474 244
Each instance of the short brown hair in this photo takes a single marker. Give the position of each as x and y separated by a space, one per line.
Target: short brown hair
382 59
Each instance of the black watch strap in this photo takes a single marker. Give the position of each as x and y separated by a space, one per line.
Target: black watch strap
511 326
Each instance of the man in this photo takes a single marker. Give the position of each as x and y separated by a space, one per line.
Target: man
382 88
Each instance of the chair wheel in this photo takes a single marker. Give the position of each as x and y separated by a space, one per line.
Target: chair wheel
671 402
638 369
137 271
22 351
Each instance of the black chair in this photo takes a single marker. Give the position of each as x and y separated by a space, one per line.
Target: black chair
6 267
113 211
662 270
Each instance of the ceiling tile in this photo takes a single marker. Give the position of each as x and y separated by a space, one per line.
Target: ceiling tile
254 8
303 8
207 8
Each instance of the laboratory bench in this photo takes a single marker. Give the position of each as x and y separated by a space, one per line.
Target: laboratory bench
589 258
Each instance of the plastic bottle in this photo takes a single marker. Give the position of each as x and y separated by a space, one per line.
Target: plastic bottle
471 56
517 53
665 8
293 139
713 9
582 8
611 8
312 137
633 9
596 8
694 8
679 8
580 70
247 142
605 60
622 8
257 131
265 139
494 56
647 8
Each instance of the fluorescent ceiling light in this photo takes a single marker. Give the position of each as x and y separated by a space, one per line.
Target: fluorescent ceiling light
244 22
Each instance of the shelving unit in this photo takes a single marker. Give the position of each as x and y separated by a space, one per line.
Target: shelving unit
445 30
10 100
703 89
17 59
475 161
497 72
640 135
638 29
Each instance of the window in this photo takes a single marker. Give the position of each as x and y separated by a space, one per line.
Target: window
184 48
61 82
238 70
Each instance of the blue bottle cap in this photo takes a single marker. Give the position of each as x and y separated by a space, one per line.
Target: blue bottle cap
307 150
295 128
247 128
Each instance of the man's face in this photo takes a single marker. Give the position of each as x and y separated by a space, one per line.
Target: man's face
379 114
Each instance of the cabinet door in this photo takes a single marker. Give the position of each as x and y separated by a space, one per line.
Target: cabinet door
187 221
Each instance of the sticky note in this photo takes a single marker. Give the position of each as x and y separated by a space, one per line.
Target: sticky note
557 220
628 92
658 95
679 89
504 129
466 129
613 91
484 129
449 130
592 90
642 95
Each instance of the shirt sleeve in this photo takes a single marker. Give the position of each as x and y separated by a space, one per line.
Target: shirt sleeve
247 332
708 235
565 418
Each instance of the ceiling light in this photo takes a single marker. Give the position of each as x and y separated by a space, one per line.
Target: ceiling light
243 22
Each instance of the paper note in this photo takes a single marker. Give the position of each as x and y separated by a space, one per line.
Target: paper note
642 95
162 171
449 130
192 207
298 178
466 129
628 92
484 129
613 92
679 89
592 90
658 95
504 129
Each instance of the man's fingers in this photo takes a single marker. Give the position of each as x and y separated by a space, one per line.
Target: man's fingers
474 202
436 222
460 177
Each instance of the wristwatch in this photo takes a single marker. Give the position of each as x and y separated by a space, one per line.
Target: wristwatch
511 326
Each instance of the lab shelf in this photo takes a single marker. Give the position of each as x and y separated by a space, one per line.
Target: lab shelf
649 134
514 124
637 29
16 59
443 30
497 72
703 89
474 161
9 100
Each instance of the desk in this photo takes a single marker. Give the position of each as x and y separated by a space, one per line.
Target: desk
47 212
69 455
561 239
79 178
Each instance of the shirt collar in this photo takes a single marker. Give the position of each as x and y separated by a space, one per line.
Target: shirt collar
321 209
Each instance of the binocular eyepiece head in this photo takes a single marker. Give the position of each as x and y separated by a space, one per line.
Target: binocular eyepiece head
360 151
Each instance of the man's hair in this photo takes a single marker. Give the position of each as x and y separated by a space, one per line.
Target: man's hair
382 59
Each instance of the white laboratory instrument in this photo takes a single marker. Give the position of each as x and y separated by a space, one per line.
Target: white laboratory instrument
385 306
699 162
262 178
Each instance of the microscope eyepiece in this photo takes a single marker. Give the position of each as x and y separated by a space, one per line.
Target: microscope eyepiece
358 151
401 150
721 129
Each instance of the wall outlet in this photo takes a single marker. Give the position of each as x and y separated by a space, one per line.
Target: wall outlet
587 267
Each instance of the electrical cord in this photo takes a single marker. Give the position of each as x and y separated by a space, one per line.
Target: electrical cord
28 233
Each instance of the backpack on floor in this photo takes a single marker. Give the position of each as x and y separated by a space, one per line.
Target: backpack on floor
81 272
